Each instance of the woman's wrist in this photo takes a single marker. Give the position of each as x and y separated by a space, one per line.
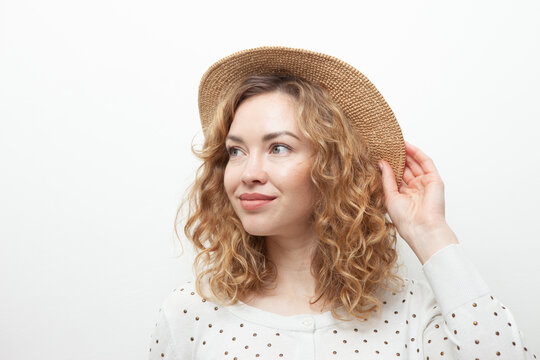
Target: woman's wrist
427 242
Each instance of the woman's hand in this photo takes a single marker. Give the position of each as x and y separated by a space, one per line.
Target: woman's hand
417 209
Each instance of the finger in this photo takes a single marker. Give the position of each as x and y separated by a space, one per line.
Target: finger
408 176
422 159
415 168
389 179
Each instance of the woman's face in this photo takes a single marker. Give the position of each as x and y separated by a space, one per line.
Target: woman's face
264 159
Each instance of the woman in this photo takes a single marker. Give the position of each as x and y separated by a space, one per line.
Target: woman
296 257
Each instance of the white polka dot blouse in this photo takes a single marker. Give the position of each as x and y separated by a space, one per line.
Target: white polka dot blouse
451 316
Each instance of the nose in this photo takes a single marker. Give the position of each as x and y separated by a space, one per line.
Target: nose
254 170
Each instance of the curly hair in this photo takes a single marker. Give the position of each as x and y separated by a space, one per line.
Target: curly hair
355 252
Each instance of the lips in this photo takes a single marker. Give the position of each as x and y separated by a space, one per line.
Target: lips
256 196
255 200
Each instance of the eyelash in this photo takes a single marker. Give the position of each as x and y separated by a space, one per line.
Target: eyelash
272 146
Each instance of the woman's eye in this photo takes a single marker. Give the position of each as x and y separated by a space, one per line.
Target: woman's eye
276 146
231 150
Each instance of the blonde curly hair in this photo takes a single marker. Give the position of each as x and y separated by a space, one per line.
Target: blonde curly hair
355 252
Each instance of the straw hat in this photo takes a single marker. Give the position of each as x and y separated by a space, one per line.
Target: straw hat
358 98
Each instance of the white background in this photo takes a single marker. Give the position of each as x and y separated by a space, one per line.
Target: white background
98 108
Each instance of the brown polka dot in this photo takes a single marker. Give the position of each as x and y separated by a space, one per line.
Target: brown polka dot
374 330
215 308
254 334
476 341
436 326
356 351
455 331
474 304
495 313
162 355
395 312
226 352
458 347
344 341
365 340
335 331
412 339
377 351
277 334
442 353
413 315
192 293
257 355
497 333
429 341
269 345
157 341
204 342
210 325
241 325
445 338
475 323
203 300
509 324
280 355
385 342
197 318
234 338
245 347
334 352
355 330
185 311
498 353
220 331
453 315
386 321
191 338
397 331
397 354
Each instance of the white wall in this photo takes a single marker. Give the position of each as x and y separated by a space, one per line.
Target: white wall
98 107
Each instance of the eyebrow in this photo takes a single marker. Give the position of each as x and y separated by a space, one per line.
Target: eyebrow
266 137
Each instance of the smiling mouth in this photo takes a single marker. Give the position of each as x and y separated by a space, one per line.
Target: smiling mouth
254 204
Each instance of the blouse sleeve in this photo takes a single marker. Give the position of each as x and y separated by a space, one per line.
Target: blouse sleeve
162 341
464 320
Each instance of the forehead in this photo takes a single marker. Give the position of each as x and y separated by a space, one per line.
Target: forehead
269 112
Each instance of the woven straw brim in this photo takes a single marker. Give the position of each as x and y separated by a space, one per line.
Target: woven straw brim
358 98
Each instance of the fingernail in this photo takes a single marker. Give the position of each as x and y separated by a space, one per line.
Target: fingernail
380 165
